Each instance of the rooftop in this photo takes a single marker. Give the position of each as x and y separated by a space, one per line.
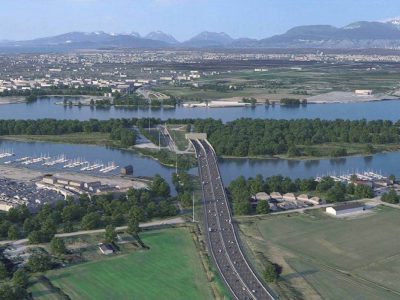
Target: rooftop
348 206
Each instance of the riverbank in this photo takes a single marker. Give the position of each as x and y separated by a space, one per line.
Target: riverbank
94 138
347 97
353 150
168 158
12 100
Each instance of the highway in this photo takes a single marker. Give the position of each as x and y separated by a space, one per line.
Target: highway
222 241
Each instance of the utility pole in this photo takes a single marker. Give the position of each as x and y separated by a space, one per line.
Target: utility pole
193 207
159 139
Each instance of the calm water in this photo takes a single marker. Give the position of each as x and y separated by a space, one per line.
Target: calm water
387 163
45 108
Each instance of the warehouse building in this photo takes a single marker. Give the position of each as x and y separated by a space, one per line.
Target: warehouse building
345 209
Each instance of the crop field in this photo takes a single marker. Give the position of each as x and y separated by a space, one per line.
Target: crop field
328 258
171 269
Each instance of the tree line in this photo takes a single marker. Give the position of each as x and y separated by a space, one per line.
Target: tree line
119 129
255 137
33 94
86 213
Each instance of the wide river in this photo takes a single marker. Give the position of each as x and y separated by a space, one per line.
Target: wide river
386 163
46 108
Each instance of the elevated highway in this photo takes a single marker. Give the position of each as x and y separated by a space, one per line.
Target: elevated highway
222 241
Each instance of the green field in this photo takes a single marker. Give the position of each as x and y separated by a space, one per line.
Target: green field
332 258
92 138
283 82
171 269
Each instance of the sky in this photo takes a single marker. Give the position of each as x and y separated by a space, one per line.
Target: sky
26 19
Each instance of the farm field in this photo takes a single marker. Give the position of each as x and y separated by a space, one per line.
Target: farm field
327 258
171 269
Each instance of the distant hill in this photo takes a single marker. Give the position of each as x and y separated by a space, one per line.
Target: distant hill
161 36
353 36
358 35
83 40
209 39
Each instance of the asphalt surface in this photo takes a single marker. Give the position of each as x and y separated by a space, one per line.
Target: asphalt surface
222 241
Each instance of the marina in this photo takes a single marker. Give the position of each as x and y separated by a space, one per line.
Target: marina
64 162
108 161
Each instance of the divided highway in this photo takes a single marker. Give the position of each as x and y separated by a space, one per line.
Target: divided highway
221 236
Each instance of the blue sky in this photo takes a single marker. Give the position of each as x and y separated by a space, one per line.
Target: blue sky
24 19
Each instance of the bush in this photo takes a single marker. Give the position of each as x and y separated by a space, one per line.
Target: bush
39 262
57 246
270 273
390 197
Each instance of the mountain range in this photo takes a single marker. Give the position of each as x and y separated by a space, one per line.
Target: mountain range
358 35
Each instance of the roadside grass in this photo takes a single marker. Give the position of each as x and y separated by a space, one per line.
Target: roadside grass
170 269
353 258
178 135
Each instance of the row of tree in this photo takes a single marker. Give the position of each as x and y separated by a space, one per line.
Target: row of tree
88 213
60 91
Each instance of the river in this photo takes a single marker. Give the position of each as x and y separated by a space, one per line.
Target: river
386 163
46 108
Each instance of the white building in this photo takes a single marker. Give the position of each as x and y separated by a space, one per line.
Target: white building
363 92
345 209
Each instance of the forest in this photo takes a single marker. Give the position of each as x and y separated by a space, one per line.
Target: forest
257 137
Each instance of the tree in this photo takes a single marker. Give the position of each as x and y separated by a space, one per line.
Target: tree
133 226
7 292
20 278
262 207
363 191
336 193
57 246
270 273
91 221
293 151
185 199
160 187
110 234
68 227
35 237
39 262
12 233
390 197
3 271
369 149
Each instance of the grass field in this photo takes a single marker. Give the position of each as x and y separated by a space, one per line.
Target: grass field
332 258
93 138
171 269
283 82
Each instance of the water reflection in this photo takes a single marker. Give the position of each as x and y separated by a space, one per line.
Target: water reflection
338 161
